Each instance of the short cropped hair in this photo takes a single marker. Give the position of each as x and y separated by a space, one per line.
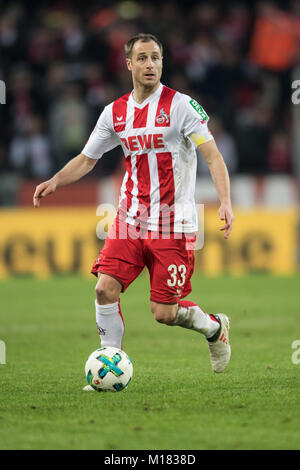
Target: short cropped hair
144 37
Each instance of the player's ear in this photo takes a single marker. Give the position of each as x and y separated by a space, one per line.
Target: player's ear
128 63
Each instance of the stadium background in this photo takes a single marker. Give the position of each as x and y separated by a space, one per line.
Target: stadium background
62 63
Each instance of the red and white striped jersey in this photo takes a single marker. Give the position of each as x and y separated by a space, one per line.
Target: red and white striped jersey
161 162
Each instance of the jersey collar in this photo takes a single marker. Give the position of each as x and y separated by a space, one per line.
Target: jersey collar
146 101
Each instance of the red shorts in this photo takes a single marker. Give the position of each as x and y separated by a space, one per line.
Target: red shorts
170 262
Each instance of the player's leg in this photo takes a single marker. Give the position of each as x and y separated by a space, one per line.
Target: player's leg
171 268
186 314
164 313
118 264
214 327
107 289
109 319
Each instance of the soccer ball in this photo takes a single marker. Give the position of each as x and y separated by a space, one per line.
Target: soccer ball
108 369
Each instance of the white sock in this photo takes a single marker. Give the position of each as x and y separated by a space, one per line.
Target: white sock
193 318
110 324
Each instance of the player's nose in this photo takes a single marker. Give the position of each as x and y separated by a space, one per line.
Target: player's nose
149 63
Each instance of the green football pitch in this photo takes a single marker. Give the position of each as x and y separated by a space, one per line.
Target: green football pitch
174 400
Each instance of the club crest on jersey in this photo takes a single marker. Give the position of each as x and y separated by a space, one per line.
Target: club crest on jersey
162 118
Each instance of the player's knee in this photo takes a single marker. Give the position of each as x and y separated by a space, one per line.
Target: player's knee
106 295
163 313
107 291
166 319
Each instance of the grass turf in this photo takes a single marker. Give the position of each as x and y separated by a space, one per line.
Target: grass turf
174 400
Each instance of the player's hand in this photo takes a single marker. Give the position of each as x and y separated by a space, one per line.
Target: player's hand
43 190
225 212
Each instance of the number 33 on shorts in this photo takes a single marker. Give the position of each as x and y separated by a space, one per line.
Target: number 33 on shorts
177 275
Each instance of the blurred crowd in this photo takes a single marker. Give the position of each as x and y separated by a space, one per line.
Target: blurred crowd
63 61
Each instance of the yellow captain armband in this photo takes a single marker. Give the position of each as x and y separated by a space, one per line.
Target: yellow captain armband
197 139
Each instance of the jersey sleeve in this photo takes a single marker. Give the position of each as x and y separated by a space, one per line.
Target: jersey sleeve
103 138
194 121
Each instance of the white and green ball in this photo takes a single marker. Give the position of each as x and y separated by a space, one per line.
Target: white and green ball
108 369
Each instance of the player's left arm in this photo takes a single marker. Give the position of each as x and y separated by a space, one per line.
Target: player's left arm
220 177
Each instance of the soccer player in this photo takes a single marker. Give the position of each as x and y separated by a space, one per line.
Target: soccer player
159 130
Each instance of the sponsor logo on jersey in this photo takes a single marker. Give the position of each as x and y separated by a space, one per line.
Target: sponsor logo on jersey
198 108
162 118
119 123
137 143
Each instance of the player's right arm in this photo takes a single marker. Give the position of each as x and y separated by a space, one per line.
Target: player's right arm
71 172
102 139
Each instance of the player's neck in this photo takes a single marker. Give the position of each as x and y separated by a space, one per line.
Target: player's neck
141 93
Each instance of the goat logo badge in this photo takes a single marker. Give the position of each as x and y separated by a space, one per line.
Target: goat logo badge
162 118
